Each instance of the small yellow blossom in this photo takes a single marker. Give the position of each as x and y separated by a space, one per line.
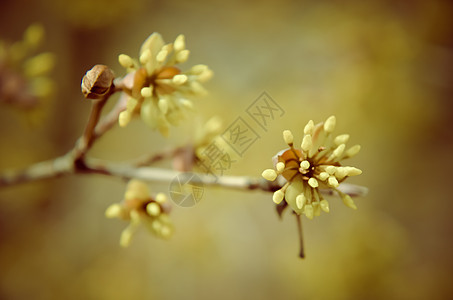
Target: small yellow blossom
207 135
315 165
158 90
211 153
138 207
205 149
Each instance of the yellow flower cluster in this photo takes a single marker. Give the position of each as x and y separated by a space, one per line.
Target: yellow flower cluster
316 165
23 75
138 207
157 89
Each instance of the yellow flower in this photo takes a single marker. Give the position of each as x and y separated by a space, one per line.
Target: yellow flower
23 74
157 89
204 135
316 165
138 207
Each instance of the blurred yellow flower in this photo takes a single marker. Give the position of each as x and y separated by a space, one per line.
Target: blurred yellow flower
302 172
23 76
139 207
158 89
205 134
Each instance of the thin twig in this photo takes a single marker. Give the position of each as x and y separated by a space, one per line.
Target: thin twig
150 159
110 119
86 140
301 237
90 134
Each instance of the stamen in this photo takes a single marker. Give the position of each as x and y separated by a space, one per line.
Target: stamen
300 201
278 196
305 164
179 79
182 56
331 169
341 173
308 211
324 205
323 176
313 182
307 143
180 43
341 139
352 151
145 57
280 166
288 137
126 61
163 105
153 209
124 118
347 200
269 174
162 55
114 211
339 150
329 125
161 198
308 129
352 171
146 92
332 181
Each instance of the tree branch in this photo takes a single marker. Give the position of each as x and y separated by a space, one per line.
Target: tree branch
75 161
150 174
64 166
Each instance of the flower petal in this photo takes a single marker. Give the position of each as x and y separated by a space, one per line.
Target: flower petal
295 188
154 44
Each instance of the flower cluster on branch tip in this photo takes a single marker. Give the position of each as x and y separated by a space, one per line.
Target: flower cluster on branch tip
302 172
158 90
139 207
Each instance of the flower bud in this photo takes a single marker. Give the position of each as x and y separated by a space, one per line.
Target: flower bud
97 82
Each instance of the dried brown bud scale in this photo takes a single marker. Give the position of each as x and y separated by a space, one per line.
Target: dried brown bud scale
97 82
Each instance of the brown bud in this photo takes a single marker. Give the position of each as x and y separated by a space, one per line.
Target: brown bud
97 82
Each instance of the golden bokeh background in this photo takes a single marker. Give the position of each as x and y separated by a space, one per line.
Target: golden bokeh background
384 68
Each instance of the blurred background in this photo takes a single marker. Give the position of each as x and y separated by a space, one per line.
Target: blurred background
384 68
